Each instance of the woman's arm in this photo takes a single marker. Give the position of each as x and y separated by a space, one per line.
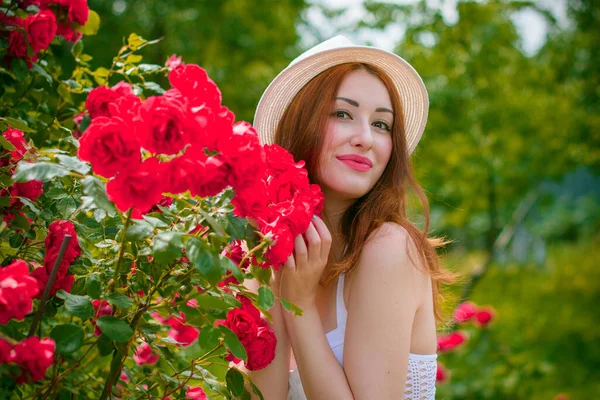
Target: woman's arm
272 381
386 292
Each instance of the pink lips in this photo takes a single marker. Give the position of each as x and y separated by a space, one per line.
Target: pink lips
356 162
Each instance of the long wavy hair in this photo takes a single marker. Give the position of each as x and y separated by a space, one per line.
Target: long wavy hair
300 131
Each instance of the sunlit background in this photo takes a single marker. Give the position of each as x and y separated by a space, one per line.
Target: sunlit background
509 159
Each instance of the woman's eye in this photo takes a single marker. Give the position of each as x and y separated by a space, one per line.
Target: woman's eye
382 125
342 114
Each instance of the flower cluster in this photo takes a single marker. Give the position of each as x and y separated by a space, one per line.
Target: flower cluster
282 202
468 311
258 339
181 332
56 233
28 36
32 356
185 140
30 190
189 139
464 313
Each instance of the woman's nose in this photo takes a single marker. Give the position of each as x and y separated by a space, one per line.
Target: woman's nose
362 135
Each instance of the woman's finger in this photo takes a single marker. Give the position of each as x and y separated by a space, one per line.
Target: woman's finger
325 236
300 251
314 243
289 264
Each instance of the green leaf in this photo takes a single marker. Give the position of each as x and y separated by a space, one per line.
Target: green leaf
119 300
77 48
291 307
96 190
134 41
38 68
148 67
209 337
92 25
138 230
167 246
73 164
105 345
79 306
68 338
93 286
17 124
6 144
235 382
66 206
116 329
41 171
233 343
154 87
202 258
265 297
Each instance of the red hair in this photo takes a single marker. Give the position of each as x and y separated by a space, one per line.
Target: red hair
300 131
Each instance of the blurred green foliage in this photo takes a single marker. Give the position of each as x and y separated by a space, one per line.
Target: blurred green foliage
545 337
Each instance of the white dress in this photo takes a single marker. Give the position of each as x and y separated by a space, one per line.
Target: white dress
422 368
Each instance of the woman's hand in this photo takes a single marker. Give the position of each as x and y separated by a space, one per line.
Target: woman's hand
302 271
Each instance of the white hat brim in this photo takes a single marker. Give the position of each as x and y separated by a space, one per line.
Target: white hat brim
282 90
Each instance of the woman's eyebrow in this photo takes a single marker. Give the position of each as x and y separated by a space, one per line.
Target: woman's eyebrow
355 104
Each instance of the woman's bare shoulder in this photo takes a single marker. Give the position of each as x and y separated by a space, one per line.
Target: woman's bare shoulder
390 250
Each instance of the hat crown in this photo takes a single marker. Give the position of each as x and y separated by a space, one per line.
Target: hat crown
335 42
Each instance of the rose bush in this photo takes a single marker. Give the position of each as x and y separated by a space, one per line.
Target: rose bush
125 236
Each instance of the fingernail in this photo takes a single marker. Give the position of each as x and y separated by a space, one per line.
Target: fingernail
314 216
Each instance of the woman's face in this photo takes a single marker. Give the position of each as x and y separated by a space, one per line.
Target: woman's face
358 137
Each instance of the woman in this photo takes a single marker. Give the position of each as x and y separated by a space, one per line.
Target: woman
366 278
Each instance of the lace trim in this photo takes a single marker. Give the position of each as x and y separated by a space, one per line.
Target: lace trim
420 380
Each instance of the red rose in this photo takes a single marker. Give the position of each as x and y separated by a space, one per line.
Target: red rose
485 316
195 393
78 11
211 126
99 99
139 189
250 201
143 355
5 350
451 341
213 178
243 324
184 334
464 312
109 146
244 153
41 29
56 233
441 375
283 244
261 351
173 62
165 125
17 289
101 308
65 30
60 283
194 83
15 137
250 309
17 46
30 190
33 356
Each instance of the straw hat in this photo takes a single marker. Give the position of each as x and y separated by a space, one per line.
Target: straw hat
339 50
